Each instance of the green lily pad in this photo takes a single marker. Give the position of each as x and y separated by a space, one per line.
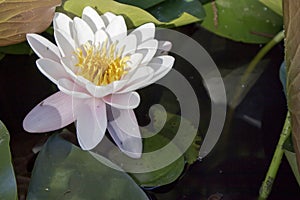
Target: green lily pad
17 49
144 4
63 171
275 5
134 16
172 9
8 186
158 177
246 20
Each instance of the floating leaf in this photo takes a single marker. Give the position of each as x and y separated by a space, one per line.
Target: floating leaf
159 177
63 171
291 157
275 5
8 186
18 49
134 16
247 20
292 60
19 17
172 9
144 4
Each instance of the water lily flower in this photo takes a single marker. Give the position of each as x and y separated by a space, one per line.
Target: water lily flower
97 66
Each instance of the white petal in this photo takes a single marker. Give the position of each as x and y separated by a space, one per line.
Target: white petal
129 43
92 18
128 100
148 49
64 42
51 69
71 88
83 32
161 65
117 29
91 124
100 37
69 67
101 91
63 22
133 63
108 17
144 32
53 113
141 77
163 47
43 47
125 132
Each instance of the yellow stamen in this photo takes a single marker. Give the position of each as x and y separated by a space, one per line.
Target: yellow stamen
101 65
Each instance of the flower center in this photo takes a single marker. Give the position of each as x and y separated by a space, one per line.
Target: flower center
101 65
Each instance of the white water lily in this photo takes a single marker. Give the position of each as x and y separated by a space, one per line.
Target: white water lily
97 67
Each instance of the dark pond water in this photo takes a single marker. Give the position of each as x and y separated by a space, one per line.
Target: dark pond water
237 165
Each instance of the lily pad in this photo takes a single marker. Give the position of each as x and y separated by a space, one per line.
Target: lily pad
17 49
144 4
246 20
8 186
158 177
172 9
134 16
63 171
275 5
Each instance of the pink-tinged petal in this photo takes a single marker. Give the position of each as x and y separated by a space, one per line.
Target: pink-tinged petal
83 32
161 66
163 47
101 91
43 47
100 37
65 44
117 29
92 18
144 32
128 100
63 22
53 113
51 69
148 49
71 88
108 17
127 44
125 132
91 123
141 77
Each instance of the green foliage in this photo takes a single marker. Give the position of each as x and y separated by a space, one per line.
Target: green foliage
17 49
170 129
63 171
246 20
8 186
172 9
134 16
275 5
144 4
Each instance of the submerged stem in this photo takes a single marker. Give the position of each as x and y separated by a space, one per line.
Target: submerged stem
266 186
254 63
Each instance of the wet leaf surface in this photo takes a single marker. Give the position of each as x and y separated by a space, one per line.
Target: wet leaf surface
8 185
134 16
246 21
63 171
